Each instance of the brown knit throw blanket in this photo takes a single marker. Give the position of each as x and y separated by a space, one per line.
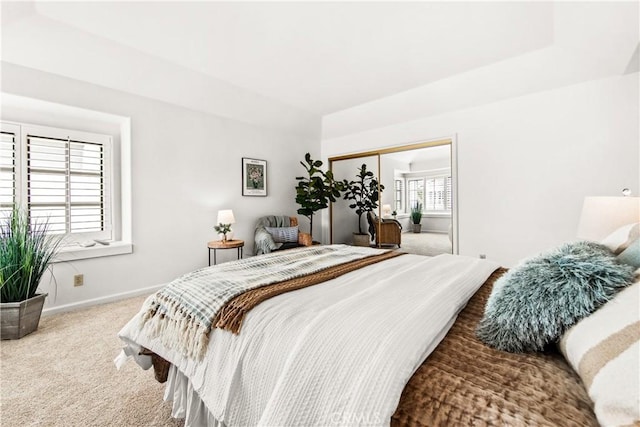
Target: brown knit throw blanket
231 315
465 383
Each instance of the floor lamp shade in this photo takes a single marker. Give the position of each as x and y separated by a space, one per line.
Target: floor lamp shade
602 216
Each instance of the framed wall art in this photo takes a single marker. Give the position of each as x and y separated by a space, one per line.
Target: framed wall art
254 177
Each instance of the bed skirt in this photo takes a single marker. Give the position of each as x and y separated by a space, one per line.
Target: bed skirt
186 403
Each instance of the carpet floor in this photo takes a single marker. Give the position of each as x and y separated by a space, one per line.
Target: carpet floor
63 374
429 244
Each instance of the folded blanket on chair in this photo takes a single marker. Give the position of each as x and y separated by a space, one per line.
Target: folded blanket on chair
263 241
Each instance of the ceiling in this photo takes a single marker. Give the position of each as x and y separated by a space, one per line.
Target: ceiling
292 63
315 56
435 153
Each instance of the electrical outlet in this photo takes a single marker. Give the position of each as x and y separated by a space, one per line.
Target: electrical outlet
78 280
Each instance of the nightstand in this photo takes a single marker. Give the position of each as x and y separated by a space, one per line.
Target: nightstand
229 244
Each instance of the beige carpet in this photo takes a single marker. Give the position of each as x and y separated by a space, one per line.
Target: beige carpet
426 243
63 374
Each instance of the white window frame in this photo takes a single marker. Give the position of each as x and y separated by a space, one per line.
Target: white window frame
106 141
424 177
447 194
22 132
410 201
15 130
398 195
19 109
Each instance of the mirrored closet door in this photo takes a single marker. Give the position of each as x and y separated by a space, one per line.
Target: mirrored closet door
419 186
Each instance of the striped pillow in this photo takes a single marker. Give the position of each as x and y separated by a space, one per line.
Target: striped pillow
631 255
283 234
604 349
620 239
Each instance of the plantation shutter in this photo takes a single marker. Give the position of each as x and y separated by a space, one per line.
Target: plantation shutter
449 194
416 192
439 190
8 161
399 191
430 203
438 193
66 183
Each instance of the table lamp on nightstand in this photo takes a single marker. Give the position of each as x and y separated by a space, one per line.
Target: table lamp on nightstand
603 215
225 219
386 211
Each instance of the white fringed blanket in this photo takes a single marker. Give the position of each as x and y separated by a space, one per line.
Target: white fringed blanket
182 312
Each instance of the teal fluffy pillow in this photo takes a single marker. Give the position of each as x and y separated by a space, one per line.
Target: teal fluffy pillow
535 302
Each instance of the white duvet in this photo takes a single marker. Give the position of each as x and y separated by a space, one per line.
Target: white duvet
337 353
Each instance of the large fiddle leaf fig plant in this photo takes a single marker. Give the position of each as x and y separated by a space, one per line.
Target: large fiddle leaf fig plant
316 189
364 193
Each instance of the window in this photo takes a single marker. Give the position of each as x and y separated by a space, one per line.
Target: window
398 189
432 191
8 162
438 194
448 205
416 191
59 175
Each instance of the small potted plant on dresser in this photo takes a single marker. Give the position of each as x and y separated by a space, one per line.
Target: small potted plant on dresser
363 191
416 217
26 249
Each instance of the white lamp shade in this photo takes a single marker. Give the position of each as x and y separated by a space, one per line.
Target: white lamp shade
602 216
226 217
386 211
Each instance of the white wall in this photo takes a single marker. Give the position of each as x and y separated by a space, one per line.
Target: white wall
525 163
389 166
186 165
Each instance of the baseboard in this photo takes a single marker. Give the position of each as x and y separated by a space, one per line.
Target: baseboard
101 300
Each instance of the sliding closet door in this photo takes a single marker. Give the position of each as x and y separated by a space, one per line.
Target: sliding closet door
422 176
424 172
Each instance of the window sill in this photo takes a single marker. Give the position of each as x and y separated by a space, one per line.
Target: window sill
75 252
436 214
427 215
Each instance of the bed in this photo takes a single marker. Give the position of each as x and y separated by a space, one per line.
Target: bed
389 342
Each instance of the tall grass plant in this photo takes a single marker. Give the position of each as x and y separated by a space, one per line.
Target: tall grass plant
416 213
26 249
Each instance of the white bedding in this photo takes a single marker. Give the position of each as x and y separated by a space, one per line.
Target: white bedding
338 353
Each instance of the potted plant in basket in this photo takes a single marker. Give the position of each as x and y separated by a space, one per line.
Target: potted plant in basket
25 253
416 217
364 193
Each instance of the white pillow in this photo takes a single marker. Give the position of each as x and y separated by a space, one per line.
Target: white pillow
283 234
604 349
620 239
